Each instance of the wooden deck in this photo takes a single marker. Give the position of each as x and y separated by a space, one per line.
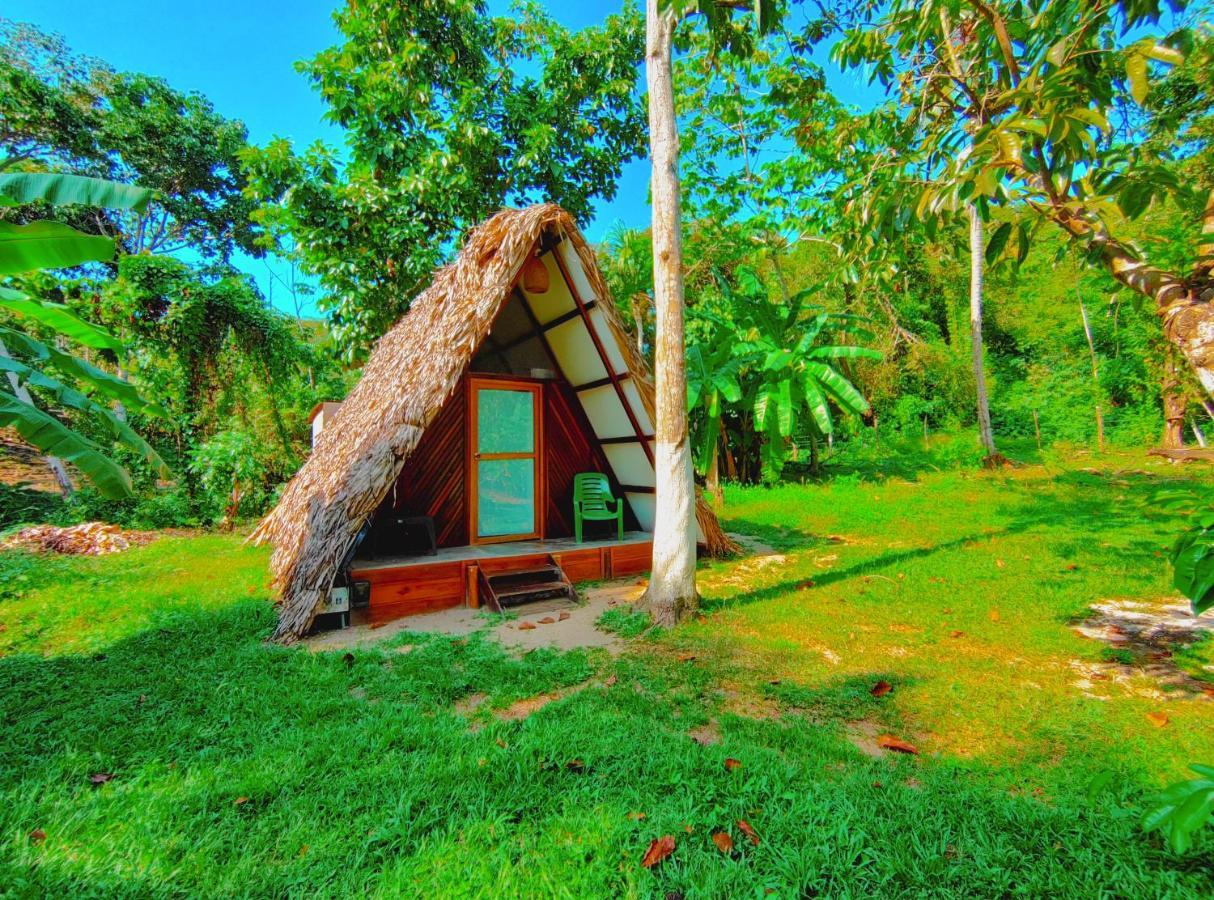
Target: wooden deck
407 585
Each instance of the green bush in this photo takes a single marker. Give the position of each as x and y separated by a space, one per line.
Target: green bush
21 505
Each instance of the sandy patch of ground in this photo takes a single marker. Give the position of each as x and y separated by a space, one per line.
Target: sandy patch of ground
576 629
1148 632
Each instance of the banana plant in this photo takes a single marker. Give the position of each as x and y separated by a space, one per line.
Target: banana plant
786 374
712 380
46 244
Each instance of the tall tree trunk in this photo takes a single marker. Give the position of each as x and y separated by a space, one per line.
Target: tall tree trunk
977 251
1087 331
54 463
1174 404
638 316
712 482
671 595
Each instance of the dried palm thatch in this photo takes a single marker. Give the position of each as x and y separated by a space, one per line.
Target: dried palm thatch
412 372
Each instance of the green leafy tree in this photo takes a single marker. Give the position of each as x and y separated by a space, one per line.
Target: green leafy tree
449 113
1042 85
67 113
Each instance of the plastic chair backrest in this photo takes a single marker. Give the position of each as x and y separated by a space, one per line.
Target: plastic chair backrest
592 490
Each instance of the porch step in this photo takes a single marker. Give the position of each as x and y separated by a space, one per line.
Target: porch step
504 590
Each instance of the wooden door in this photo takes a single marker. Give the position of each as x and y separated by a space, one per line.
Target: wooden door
505 476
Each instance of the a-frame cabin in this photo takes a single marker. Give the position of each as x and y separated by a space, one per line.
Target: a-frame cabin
510 375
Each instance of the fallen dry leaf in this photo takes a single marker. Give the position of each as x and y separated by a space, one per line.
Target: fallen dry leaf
889 742
731 764
685 657
999 563
563 616
525 626
1158 719
881 688
658 851
611 680
956 634
101 777
636 816
37 836
723 841
805 585
547 620
745 828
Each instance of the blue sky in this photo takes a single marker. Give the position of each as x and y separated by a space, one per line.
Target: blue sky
240 54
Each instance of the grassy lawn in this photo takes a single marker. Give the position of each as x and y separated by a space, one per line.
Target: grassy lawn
413 769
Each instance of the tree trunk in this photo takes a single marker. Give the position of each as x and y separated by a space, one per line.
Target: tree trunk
712 483
1183 307
671 595
54 463
638 315
1174 404
1087 331
977 251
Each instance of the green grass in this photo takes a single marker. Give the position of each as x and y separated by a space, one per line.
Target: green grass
245 769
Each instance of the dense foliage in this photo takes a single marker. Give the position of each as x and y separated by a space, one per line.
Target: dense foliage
448 113
179 347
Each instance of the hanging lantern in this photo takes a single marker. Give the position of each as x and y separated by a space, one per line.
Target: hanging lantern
535 276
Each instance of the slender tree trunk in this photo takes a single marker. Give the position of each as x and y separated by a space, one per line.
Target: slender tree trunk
1174 404
638 316
713 479
731 465
977 251
1087 331
54 463
671 595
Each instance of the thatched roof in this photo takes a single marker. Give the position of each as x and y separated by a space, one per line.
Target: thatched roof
414 368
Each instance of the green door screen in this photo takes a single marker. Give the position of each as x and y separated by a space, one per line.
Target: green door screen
505 460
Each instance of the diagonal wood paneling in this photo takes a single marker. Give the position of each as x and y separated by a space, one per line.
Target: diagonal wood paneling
432 481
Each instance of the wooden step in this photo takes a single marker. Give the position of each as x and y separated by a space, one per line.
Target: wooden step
524 576
508 589
547 590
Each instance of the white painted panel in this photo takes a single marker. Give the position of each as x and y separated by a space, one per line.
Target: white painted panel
575 352
638 408
576 273
556 300
605 412
610 346
630 464
642 508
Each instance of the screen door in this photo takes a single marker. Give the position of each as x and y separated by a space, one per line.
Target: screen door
505 460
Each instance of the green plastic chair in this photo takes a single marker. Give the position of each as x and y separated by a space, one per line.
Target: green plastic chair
592 501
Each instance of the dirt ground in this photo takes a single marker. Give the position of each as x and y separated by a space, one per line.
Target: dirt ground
549 629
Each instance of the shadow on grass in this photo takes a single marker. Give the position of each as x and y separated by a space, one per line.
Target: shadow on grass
857 570
242 768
